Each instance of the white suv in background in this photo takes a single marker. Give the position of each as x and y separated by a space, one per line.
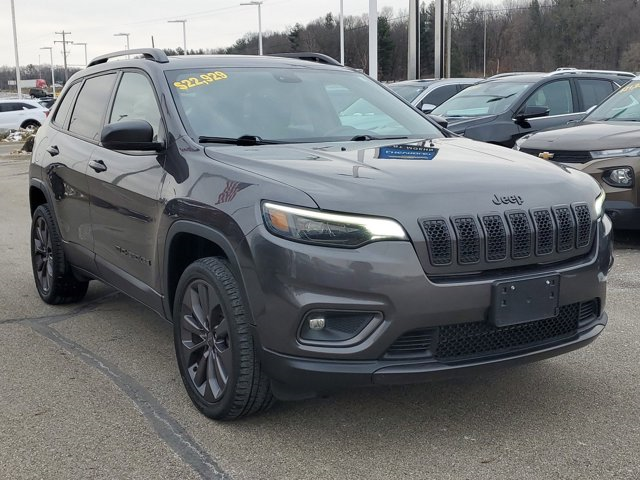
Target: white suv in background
27 114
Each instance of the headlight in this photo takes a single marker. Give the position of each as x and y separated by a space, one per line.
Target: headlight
621 177
598 205
520 141
616 152
330 229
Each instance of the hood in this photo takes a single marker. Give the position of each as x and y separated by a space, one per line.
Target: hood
464 175
460 124
587 136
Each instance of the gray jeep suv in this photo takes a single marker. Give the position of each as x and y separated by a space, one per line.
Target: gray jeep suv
305 229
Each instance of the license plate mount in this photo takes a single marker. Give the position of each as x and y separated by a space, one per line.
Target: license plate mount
524 300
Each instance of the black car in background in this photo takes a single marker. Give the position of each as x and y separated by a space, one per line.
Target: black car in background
604 144
502 109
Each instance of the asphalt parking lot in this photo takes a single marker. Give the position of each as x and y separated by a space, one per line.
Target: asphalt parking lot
92 391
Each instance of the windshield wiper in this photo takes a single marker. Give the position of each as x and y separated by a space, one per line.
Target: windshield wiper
244 140
498 97
366 138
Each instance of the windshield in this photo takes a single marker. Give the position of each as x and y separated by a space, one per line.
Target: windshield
490 98
623 105
291 105
408 92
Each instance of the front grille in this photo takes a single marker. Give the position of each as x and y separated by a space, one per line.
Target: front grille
588 311
416 343
583 218
544 231
520 234
496 236
490 240
468 239
476 339
567 156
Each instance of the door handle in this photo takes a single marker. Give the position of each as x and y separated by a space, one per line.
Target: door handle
53 150
97 165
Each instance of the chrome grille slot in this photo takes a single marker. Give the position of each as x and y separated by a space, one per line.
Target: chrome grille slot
468 240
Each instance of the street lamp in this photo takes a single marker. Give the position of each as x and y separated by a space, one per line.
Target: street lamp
85 51
342 32
259 4
123 35
53 78
15 44
184 32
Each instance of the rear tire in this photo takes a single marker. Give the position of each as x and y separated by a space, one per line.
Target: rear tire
30 126
214 344
52 273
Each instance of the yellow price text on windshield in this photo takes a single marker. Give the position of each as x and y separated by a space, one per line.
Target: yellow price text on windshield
200 80
628 88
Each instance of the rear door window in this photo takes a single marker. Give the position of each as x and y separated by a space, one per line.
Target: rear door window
62 112
593 91
90 108
439 95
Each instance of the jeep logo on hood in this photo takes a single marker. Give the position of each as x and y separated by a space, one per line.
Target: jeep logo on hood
507 200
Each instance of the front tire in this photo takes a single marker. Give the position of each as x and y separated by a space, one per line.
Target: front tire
54 279
214 344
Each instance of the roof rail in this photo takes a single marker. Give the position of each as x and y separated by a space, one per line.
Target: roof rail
511 74
564 70
309 56
154 54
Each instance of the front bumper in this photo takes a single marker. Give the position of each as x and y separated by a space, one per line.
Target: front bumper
293 279
316 376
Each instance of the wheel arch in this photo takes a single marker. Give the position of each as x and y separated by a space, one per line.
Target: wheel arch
38 195
187 242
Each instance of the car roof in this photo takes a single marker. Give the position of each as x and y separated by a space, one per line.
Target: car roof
430 81
153 58
16 99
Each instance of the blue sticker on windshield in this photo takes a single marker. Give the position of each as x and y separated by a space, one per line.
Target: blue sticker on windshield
408 152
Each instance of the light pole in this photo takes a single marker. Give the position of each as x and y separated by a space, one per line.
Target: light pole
123 35
342 32
259 4
373 39
15 44
53 78
85 51
184 32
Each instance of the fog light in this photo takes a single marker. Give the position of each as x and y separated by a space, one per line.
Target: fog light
316 323
337 328
619 177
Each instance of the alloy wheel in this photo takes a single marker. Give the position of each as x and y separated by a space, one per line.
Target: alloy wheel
204 340
43 255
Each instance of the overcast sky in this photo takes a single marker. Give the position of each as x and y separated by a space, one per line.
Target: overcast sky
210 23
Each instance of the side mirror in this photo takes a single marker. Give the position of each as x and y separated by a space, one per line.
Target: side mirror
129 135
427 107
439 120
531 111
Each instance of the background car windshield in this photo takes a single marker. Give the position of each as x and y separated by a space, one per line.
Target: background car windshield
491 98
408 92
624 105
291 105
